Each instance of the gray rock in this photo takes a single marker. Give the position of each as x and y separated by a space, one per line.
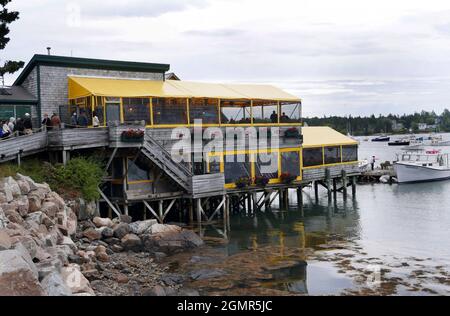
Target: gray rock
102 222
131 242
121 230
34 203
23 205
172 279
24 186
143 227
188 292
49 266
17 278
125 219
54 285
170 242
156 291
9 184
205 274
75 280
5 240
107 232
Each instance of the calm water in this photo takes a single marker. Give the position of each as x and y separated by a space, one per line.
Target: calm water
397 235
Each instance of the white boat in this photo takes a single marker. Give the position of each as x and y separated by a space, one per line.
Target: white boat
422 167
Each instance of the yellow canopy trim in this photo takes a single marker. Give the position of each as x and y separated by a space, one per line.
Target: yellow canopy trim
324 136
129 88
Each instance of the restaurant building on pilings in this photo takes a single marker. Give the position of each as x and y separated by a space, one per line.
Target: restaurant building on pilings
143 178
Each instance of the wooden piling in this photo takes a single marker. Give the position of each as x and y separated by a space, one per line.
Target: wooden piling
300 197
316 191
344 184
328 183
354 186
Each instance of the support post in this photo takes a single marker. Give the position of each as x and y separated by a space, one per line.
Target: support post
64 157
249 202
328 182
160 210
354 186
344 184
316 191
300 197
281 198
199 212
191 212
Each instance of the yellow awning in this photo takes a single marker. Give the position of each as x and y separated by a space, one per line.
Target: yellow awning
129 88
324 136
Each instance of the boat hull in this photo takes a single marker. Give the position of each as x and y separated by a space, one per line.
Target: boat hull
381 139
399 144
407 173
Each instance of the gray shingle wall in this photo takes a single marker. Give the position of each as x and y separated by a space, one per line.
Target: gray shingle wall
54 83
30 83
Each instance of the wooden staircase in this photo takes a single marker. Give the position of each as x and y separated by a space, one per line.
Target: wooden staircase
163 160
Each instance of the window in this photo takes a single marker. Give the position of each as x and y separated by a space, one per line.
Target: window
16 111
265 112
349 153
290 163
136 109
239 168
332 155
291 112
312 157
235 112
169 111
267 165
135 173
204 109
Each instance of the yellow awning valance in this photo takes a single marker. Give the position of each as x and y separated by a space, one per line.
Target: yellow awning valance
324 136
129 88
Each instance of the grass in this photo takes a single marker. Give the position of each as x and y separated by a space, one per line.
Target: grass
79 178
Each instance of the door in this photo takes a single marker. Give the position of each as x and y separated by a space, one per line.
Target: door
113 113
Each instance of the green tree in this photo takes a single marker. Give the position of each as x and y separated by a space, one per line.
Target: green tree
6 18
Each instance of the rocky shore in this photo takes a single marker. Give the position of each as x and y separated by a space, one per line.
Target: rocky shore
46 250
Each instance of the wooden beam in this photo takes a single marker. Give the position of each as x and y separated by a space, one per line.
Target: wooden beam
109 202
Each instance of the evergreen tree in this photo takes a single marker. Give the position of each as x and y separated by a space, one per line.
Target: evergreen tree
7 17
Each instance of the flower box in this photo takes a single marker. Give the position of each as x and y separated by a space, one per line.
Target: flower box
132 136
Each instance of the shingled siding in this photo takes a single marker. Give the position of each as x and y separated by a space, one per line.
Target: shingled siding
30 83
54 83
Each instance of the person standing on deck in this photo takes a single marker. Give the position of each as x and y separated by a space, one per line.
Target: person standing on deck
55 121
47 122
372 162
95 120
74 120
82 120
12 124
274 117
28 124
19 128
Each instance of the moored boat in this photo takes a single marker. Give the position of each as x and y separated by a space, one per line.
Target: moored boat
381 139
399 142
422 167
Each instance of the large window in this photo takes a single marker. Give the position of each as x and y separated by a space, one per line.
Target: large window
16 111
136 109
332 155
169 111
291 112
112 109
265 112
267 165
239 167
135 173
206 110
312 157
235 112
349 153
290 163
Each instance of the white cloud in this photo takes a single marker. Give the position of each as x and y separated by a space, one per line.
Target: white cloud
341 57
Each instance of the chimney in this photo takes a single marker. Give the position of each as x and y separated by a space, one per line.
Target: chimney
49 50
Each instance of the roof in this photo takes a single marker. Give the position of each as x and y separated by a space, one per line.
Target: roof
16 95
76 62
172 76
324 136
84 86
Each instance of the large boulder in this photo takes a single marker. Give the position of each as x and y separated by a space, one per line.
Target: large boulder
75 280
5 240
139 228
92 234
102 222
35 203
50 209
172 241
53 284
162 229
24 187
12 215
131 242
17 277
121 230
23 205
9 184
31 184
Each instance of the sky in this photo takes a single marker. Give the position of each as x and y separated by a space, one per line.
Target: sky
347 57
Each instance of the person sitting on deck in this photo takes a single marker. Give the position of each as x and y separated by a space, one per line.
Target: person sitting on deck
55 121
47 122
274 117
372 162
28 124
82 120
284 118
19 128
